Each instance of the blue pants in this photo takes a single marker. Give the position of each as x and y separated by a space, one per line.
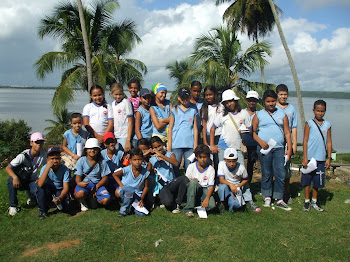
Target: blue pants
128 195
44 195
31 187
186 152
225 192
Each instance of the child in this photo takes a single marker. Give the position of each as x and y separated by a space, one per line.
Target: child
317 144
134 183
23 172
113 153
172 189
73 141
123 116
160 112
98 115
231 121
196 102
183 132
252 99
134 87
53 183
289 110
201 182
272 123
143 121
234 183
91 176
145 146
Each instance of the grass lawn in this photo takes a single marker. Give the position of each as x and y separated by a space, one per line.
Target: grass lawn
99 235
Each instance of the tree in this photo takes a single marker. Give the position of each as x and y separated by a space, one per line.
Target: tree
58 126
104 37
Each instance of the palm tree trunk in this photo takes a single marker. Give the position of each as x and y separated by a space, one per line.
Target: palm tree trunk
291 63
86 45
261 66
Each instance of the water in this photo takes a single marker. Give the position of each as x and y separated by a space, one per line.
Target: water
34 107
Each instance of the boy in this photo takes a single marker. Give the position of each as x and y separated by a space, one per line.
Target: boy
134 87
201 186
289 110
53 183
29 160
234 183
317 144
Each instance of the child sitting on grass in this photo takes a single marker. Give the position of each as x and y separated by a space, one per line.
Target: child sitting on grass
317 144
234 183
53 183
133 184
201 182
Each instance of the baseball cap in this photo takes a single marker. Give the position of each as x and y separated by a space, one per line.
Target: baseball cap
92 143
108 135
37 136
252 94
158 87
183 92
52 150
230 153
144 91
229 95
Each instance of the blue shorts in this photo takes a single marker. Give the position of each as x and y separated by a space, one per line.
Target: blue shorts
317 176
101 193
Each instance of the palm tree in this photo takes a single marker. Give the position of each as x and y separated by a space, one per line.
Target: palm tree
110 44
58 127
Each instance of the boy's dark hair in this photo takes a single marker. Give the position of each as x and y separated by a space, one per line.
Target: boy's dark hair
143 142
204 109
196 83
134 80
135 152
281 88
75 115
269 93
320 102
202 149
156 139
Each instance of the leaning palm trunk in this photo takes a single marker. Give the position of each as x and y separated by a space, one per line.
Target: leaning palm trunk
86 44
291 63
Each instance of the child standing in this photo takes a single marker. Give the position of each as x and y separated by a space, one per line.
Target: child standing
234 183
123 116
197 102
23 172
143 121
134 87
91 176
317 144
160 112
201 177
134 183
183 132
98 115
53 183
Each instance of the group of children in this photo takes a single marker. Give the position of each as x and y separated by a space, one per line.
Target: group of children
132 150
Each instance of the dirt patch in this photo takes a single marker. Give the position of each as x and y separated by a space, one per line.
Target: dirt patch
54 247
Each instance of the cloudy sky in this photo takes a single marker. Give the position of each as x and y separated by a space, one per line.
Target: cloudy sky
317 31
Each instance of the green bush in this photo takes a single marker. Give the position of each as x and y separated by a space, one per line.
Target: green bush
14 138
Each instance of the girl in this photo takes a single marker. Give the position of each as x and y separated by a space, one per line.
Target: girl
91 176
123 117
272 123
183 132
143 121
196 89
160 112
98 115
134 87
231 121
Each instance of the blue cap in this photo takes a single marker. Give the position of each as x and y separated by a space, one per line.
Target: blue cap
145 91
184 92
52 150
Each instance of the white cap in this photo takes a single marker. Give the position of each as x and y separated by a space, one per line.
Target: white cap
229 95
230 153
252 94
92 143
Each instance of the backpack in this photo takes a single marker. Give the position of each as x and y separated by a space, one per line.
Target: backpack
24 171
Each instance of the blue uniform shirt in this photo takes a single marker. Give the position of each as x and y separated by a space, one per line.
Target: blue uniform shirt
138 183
57 179
83 166
72 139
161 113
146 123
116 160
315 145
291 114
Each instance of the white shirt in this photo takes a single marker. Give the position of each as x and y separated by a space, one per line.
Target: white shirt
121 112
235 176
205 178
98 116
214 112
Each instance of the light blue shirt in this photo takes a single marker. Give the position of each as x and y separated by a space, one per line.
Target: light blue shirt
291 114
138 183
72 139
116 160
161 113
83 166
146 123
248 138
57 179
315 145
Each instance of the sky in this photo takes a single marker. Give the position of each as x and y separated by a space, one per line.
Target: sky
317 32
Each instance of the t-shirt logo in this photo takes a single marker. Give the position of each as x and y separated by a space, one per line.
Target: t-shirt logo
190 120
119 111
205 178
290 115
280 120
324 131
241 121
105 112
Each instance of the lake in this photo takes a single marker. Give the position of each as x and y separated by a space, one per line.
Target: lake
34 107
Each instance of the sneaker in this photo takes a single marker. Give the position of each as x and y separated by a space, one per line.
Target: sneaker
83 206
42 215
267 202
31 202
307 206
281 204
176 210
121 214
162 206
189 214
254 207
316 206
221 209
13 211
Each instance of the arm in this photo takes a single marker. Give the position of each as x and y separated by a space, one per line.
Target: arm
195 131
170 132
213 147
64 193
261 142
109 126
128 138
144 193
80 182
172 159
295 140
286 131
15 183
231 185
206 200
116 175
329 148
138 125
204 132
306 138
66 149
158 123
86 122
44 174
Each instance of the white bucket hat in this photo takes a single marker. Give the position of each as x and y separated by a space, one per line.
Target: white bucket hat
92 143
229 95
230 153
252 94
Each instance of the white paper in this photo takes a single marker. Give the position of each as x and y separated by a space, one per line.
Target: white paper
202 213
271 144
79 149
311 166
243 129
192 157
286 158
138 208
161 176
239 197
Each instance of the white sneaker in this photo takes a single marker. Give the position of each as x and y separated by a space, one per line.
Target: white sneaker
13 211
267 202
281 204
83 206
31 202
177 210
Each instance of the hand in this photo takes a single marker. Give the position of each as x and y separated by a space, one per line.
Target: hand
99 138
57 201
205 203
233 189
76 157
328 163
305 162
295 148
94 191
127 146
15 182
264 145
141 203
83 184
49 164
214 149
158 154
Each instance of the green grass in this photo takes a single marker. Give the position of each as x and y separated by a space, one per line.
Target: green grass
99 235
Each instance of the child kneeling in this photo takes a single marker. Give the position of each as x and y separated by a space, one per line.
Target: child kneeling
234 186
53 183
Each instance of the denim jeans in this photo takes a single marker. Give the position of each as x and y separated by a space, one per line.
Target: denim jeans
186 152
31 187
272 164
225 192
44 195
127 194
239 154
196 195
